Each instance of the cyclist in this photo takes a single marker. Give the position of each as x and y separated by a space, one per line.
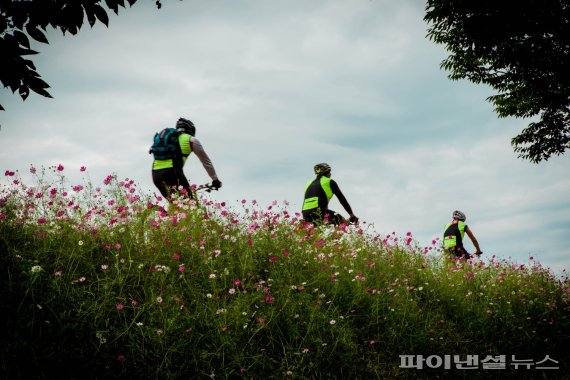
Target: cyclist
453 237
318 193
167 174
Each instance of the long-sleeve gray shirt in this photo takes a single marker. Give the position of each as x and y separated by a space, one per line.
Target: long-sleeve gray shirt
198 149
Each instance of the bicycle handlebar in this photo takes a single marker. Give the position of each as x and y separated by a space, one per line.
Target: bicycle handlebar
207 187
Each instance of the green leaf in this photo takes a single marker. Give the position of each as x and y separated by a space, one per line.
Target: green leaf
36 33
22 38
114 5
101 15
24 91
90 12
28 52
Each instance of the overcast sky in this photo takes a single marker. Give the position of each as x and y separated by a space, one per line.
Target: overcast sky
277 86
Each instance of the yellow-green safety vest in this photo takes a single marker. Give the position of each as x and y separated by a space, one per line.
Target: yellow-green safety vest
450 241
313 202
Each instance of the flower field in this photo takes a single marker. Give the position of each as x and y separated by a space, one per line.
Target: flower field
100 281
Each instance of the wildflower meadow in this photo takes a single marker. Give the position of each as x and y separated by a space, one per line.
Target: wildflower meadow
105 281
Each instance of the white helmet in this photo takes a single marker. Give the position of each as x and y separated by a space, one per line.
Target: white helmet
458 215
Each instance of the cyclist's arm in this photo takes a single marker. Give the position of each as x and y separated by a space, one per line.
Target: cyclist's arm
473 239
204 159
336 191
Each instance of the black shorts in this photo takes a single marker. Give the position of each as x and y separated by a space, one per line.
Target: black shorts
317 216
168 180
459 252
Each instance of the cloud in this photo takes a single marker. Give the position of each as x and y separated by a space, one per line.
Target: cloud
276 87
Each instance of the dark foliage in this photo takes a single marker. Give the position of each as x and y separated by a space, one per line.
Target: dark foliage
21 19
520 49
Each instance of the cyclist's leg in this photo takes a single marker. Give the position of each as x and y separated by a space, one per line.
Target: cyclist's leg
182 181
312 216
164 180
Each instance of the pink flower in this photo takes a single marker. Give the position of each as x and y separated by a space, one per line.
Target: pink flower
58 273
272 258
108 179
237 282
83 168
134 302
32 170
285 253
9 173
176 256
121 358
117 246
42 220
181 268
60 168
120 306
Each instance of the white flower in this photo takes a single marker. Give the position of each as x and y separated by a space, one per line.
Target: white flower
80 242
221 311
159 299
332 322
139 324
232 291
209 295
212 276
36 269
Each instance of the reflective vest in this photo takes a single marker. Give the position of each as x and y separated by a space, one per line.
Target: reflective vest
453 235
184 142
318 193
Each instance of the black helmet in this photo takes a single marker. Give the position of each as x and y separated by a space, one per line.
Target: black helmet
322 168
186 126
459 215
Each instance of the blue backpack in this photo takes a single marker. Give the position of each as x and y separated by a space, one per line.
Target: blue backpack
165 145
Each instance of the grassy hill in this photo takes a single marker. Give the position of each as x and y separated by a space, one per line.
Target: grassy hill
101 282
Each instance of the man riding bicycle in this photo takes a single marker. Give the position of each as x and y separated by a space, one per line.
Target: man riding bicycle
318 193
453 237
168 174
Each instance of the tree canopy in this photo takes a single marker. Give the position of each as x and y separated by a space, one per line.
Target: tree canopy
20 19
522 50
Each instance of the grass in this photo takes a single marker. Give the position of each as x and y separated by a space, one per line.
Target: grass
101 282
